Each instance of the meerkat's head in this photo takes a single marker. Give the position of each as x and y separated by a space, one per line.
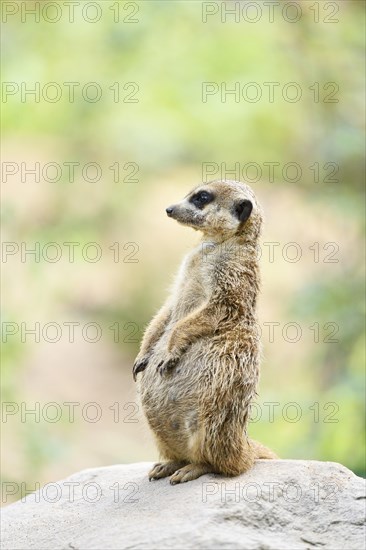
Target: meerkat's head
222 208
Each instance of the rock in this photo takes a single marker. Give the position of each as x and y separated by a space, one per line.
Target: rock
279 504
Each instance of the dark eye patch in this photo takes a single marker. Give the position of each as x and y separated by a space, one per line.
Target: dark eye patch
201 198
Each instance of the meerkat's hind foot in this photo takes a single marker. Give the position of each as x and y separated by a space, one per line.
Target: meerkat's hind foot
190 472
164 469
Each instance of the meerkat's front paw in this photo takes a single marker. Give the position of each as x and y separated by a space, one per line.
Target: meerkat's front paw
140 365
168 363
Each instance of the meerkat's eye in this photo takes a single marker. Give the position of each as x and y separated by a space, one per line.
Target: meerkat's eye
201 198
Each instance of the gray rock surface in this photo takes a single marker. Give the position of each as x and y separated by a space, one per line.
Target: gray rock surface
278 505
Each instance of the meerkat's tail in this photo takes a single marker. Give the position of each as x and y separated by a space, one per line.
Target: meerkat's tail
261 451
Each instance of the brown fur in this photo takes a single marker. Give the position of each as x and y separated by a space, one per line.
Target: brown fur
199 357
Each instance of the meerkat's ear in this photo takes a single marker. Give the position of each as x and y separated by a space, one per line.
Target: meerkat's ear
243 209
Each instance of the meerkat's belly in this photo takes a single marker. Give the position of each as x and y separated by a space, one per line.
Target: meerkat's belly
171 402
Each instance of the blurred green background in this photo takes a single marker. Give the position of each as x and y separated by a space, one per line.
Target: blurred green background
158 54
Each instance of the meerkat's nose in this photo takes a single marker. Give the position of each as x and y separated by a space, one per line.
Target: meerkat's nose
169 210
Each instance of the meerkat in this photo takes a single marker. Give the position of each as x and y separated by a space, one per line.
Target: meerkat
199 356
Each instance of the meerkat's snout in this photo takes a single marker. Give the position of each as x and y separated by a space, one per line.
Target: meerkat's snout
191 210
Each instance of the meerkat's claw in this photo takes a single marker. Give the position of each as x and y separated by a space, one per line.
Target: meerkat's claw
139 366
165 366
